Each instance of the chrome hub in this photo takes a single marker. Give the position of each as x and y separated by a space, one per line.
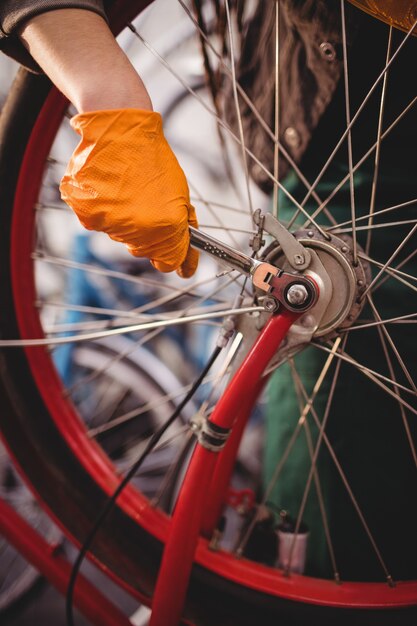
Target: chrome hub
348 281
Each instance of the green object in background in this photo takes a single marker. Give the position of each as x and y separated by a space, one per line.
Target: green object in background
365 425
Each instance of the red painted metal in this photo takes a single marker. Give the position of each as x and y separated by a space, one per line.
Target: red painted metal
241 498
93 604
225 461
179 551
246 573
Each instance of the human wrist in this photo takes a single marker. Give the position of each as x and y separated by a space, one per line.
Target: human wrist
101 97
78 52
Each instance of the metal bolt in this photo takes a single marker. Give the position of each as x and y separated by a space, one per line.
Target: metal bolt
292 137
328 51
298 259
270 304
360 283
297 294
310 233
345 249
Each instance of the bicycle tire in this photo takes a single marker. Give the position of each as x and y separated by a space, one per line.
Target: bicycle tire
130 551
19 579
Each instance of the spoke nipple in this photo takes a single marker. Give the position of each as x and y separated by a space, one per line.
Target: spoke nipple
390 582
337 578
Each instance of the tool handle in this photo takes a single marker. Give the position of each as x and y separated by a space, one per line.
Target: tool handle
225 253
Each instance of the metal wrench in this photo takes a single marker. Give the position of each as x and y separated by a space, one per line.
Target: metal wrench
295 292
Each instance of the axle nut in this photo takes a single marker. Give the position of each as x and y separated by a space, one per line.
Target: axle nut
297 295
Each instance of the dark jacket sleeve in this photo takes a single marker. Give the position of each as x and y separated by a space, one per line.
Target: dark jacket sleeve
14 13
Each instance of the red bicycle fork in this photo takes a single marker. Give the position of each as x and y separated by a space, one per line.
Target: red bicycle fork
198 493
198 507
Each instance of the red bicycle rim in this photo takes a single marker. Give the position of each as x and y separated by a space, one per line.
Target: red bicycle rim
91 456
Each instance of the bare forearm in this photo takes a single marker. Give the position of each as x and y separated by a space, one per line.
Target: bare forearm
76 49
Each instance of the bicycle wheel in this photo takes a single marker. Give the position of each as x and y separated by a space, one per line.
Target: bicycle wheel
17 577
72 473
123 405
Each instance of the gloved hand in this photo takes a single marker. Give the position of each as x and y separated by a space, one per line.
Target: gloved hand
123 179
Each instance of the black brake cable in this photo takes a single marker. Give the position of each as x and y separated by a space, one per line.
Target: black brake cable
112 500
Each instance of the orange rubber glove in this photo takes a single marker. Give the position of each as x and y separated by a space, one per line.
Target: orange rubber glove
123 179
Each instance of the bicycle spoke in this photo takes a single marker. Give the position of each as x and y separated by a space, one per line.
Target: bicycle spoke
215 381
173 470
107 404
139 280
362 160
233 229
165 443
357 114
255 112
391 258
385 338
229 131
347 486
381 328
392 320
220 223
237 107
378 146
281 463
373 227
314 452
14 343
115 323
151 335
275 208
349 134
393 272
112 360
372 375
93 310
214 203
375 214
396 269
239 550
146 408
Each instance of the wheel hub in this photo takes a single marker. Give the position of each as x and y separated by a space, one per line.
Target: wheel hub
349 280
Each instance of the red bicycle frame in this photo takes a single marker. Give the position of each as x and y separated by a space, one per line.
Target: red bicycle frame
198 507
198 493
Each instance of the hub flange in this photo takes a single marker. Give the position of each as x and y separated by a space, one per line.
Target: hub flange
349 281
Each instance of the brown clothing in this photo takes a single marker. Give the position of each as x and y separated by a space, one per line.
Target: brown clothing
310 74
